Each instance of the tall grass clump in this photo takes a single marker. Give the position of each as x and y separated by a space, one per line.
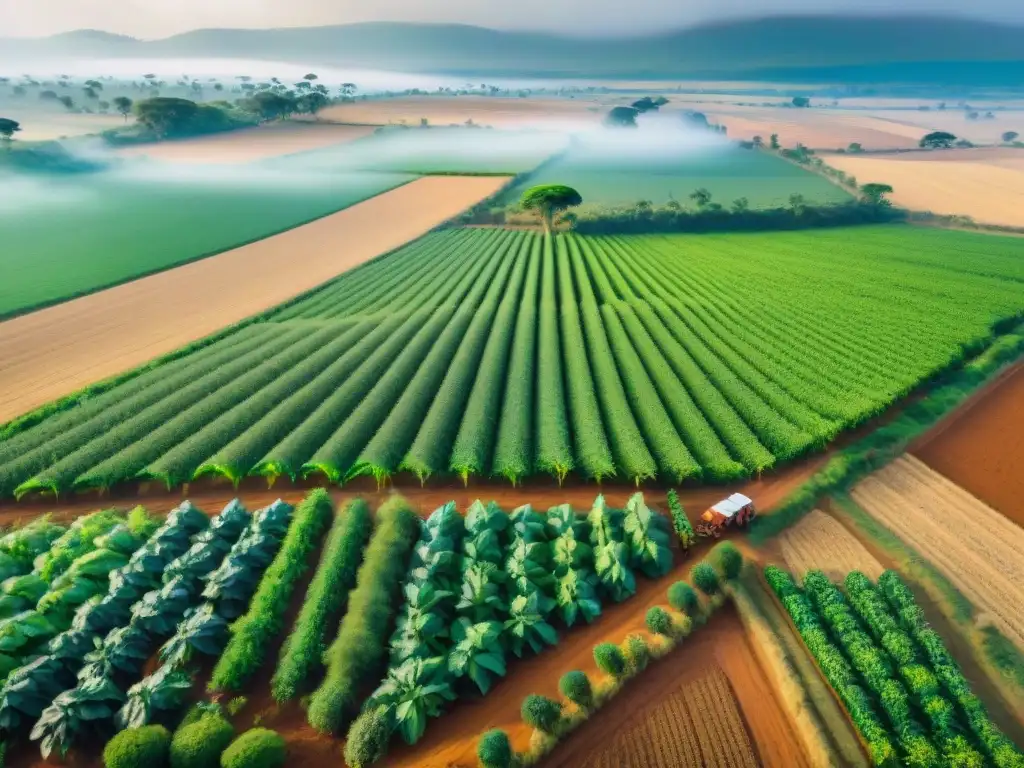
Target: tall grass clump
358 656
302 654
252 633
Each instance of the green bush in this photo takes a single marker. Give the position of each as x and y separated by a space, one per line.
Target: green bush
575 686
705 577
682 597
200 744
680 522
658 621
368 738
541 713
637 653
610 660
302 654
258 748
145 747
727 558
358 656
495 750
236 705
252 633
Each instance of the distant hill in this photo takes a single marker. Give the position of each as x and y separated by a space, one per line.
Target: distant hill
858 48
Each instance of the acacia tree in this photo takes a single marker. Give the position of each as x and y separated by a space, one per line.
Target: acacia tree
622 117
123 105
8 128
937 140
876 193
1010 136
549 199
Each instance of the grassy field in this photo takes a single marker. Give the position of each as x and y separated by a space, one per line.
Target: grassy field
492 352
67 236
728 172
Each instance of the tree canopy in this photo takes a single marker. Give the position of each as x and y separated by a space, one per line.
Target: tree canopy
647 104
123 105
8 128
622 117
1010 136
801 101
938 140
876 192
548 199
269 106
166 116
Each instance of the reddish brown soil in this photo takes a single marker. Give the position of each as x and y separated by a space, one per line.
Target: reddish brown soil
981 446
721 642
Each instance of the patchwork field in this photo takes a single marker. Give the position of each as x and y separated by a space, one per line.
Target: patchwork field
703 381
75 234
820 542
55 351
605 178
970 543
985 184
245 146
981 448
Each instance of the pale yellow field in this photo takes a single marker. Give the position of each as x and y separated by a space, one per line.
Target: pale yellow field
814 128
39 125
973 545
985 184
820 542
484 110
250 144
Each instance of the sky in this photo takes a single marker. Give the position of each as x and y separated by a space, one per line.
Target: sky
161 18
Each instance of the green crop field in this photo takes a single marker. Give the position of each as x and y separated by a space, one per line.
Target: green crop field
727 172
493 352
84 232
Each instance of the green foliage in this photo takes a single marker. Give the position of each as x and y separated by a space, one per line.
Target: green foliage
549 199
162 692
610 660
658 621
682 597
335 577
575 686
727 559
236 705
611 553
77 541
477 653
200 744
367 739
647 534
358 653
680 522
253 632
541 713
704 576
494 750
256 748
148 746
636 652
74 713
526 627
415 690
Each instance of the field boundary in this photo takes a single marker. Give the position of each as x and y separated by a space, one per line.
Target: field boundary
27 310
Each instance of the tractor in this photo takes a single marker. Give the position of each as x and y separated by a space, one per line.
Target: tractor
735 511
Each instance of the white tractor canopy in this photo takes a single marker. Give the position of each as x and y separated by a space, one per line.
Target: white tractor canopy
730 506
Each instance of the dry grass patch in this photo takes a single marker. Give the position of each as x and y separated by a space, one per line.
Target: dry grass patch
820 542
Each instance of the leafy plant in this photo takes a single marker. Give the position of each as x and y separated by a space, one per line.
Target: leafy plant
647 534
482 595
541 713
477 653
75 712
610 660
415 690
575 686
680 522
202 630
123 650
163 691
526 626
576 596
421 629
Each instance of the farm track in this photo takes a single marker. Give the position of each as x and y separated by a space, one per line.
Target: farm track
56 351
821 542
973 545
981 446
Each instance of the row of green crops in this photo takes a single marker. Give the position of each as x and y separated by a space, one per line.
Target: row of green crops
904 692
490 584
495 352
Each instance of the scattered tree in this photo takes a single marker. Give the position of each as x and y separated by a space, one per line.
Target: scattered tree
1010 136
647 104
610 660
705 578
575 686
541 713
622 117
8 128
702 197
268 105
165 116
727 557
104 105
549 199
90 93
123 105
963 144
758 142
18 91
682 597
696 119
740 205
855 147
876 193
937 140
67 101
774 139
798 203
659 622
310 77
801 101
48 96
311 103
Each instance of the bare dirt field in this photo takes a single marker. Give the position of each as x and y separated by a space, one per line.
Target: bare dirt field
484 110
245 146
981 448
716 651
820 542
970 543
58 350
814 128
985 184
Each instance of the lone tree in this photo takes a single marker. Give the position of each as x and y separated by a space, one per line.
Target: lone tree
549 199
801 101
1010 136
123 105
8 128
622 117
876 193
774 141
937 140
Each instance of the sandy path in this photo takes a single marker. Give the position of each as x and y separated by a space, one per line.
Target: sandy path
56 351
980 189
251 144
